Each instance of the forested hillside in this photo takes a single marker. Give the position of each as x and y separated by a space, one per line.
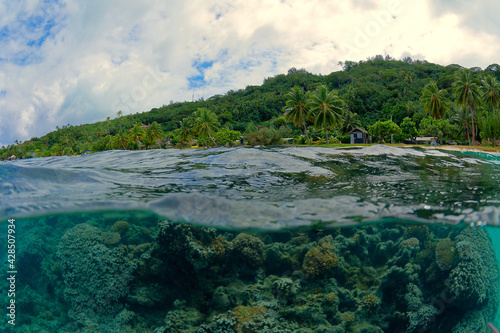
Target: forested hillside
377 90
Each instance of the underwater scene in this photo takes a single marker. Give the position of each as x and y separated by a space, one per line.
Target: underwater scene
281 239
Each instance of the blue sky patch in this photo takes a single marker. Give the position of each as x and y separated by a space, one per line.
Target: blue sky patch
197 81
28 32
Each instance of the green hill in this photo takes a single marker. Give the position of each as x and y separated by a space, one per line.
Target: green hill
377 89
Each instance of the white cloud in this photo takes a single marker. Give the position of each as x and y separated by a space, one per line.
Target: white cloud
101 56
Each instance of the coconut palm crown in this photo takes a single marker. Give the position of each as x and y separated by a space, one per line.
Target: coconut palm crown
205 124
326 108
466 89
296 109
434 102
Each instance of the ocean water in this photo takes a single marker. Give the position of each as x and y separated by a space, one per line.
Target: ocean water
282 239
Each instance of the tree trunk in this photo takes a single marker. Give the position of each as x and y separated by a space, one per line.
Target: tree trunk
472 123
215 143
307 131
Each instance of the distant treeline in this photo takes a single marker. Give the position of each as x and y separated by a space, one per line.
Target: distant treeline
382 95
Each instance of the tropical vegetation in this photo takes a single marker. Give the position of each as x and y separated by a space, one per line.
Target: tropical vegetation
406 98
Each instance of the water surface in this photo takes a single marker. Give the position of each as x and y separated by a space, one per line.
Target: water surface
264 188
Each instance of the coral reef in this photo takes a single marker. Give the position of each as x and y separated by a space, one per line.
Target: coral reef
126 275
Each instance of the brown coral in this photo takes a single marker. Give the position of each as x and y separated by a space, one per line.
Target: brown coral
110 238
249 249
120 226
331 298
221 246
411 242
446 254
420 232
245 314
371 301
320 259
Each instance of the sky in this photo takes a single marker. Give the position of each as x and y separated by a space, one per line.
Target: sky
76 62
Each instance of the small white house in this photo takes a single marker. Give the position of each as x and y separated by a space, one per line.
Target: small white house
359 135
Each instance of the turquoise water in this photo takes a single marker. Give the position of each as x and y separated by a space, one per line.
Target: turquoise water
295 239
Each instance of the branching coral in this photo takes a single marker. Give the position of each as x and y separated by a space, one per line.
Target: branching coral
96 277
474 280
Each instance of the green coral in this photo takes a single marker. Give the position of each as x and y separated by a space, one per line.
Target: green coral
182 318
320 259
474 280
420 315
96 278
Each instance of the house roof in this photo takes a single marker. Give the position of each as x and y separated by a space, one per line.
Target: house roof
357 130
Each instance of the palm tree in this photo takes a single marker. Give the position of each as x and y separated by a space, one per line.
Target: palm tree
186 131
461 116
467 94
122 140
326 108
491 92
68 141
433 101
350 122
108 122
296 110
205 124
153 133
136 133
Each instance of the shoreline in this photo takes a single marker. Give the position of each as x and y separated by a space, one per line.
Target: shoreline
476 149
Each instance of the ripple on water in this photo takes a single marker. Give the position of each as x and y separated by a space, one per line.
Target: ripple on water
260 187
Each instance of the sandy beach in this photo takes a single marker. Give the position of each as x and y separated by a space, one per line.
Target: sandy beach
478 149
